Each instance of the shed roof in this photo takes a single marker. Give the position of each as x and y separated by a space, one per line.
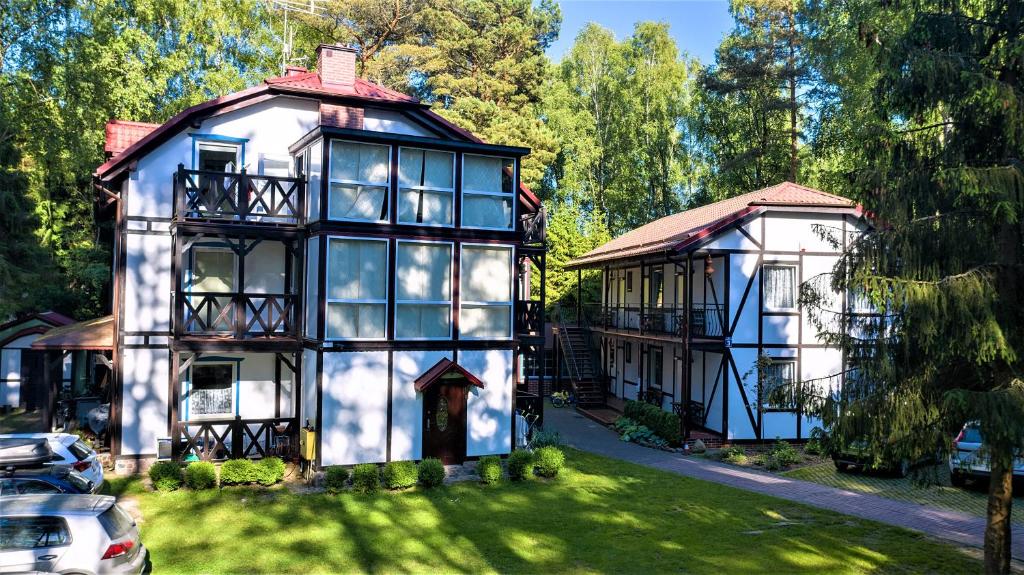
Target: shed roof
92 334
446 369
678 231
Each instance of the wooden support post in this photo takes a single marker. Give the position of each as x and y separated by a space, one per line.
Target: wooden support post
174 398
579 297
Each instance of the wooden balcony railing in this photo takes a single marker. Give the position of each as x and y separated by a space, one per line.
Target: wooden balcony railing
239 315
233 438
706 319
238 197
534 227
530 317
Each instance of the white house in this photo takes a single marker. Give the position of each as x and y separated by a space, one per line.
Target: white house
691 302
305 252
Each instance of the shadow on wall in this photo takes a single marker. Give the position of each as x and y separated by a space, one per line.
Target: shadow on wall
355 394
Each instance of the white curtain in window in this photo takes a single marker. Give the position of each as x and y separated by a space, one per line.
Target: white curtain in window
426 169
480 211
355 202
780 287
486 274
211 390
425 207
423 321
486 174
485 322
356 320
424 272
362 163
357 270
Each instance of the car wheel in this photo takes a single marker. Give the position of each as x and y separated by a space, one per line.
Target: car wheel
842 466
957 480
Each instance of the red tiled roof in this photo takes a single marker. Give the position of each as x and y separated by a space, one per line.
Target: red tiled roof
121 134
677 231
362 89
442 369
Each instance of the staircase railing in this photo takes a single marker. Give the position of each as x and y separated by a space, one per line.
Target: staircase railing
567 344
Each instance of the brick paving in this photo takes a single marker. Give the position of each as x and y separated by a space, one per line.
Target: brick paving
961 528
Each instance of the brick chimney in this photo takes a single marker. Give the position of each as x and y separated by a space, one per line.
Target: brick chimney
336 65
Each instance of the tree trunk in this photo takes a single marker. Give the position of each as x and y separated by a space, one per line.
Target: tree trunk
997 528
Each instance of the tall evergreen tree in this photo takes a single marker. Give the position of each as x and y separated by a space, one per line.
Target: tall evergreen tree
945 266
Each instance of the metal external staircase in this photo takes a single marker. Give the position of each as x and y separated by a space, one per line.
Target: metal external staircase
582 365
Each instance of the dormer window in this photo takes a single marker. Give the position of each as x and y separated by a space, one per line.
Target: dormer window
359 182
427 187
488 195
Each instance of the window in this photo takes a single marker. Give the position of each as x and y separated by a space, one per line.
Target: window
778 387
423 291
211 390
485 285
35 487
32 532
218 156
426 180
359 182
655 369
628 352
488 194
629 281
275 166
860 302
779 287
357 289
213 270
657 284
115 522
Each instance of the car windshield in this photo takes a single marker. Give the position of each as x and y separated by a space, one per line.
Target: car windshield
115 522
971 434
80 450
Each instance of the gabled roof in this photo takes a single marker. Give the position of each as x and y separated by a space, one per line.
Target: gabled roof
446 369
678 231
94 334
121 134
361 89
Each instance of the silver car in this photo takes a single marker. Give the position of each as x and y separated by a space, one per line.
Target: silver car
70 450
968 459
86 534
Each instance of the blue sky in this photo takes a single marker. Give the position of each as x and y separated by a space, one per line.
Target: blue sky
697 25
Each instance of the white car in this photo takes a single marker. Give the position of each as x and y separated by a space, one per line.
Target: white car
85 534
71 450
969 462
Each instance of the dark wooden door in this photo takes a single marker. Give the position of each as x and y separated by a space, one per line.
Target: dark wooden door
444 422
34 394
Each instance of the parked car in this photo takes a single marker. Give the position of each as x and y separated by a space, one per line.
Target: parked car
46 479
860 455
85 534
968 462
69 450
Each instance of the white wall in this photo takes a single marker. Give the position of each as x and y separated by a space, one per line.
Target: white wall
355 399
407 403
377 120
10 376
144 403
309 374
489 410
147 298
312 286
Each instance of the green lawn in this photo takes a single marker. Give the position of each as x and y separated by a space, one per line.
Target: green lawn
601 515
936 490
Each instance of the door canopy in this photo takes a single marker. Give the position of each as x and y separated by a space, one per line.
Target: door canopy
446 371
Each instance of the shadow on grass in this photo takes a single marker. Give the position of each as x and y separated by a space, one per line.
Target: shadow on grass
601 515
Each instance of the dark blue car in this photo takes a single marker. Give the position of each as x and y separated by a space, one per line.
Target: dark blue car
47 480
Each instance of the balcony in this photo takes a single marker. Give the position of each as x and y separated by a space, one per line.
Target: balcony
239 316
238 197
530 318
706 320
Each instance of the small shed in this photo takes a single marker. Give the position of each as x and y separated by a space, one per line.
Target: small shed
21 367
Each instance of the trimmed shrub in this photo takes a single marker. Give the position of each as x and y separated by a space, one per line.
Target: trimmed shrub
238 472
400 474
520 463
366 478
335 478
548 461
663 423
165 475
269 470
431 472
201 475
489 469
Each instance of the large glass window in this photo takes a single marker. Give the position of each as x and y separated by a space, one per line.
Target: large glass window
357 292
488 193
359 181
779 287
218 156
213 270
423 299
485 283
211 391
426 181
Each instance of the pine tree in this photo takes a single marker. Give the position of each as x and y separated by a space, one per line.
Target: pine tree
944 268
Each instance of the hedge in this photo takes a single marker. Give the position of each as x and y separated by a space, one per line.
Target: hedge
400 474
238 472
661 422
201 475
269 470
166 475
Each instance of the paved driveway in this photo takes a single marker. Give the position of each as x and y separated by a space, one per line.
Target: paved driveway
582 433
